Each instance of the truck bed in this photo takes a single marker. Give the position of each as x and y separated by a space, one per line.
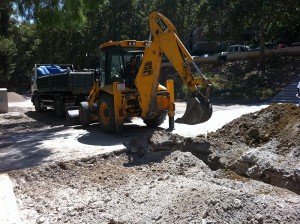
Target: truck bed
74 82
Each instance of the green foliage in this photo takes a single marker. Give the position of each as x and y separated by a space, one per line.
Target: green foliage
71 31
7 53
266 19
27 44
181 91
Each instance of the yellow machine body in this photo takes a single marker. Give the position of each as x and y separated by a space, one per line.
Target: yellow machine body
112 103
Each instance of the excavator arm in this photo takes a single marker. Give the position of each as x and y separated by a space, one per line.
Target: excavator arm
165 40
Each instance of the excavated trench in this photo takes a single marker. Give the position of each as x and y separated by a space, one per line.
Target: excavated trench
263 146
166 178
152 185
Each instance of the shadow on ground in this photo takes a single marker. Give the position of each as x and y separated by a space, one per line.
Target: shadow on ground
96 136
25 149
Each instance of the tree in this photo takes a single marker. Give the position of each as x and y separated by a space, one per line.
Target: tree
7 45
229 19
26 40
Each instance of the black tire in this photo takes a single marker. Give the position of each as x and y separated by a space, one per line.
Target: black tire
37 105
106 113
84 114
59 107
158 120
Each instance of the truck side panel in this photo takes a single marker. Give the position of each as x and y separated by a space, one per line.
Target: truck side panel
74 82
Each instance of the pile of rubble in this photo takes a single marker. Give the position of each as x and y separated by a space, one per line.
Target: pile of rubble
246 172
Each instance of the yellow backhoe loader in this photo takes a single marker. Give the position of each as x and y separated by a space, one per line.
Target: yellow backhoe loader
112 100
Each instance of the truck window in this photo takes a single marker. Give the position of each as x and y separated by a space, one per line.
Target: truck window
236 49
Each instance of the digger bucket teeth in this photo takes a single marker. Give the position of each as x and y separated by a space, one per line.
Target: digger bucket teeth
196 112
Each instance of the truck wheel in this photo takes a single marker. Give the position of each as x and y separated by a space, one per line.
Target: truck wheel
59 107
106 113
156 121
84 114
37 106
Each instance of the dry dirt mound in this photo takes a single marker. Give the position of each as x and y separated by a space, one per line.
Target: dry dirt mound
159 187
278 121
15 97
264 145
164 181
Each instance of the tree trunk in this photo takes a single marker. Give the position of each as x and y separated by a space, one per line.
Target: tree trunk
262 40
5 11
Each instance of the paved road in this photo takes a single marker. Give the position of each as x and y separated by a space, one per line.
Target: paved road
35 148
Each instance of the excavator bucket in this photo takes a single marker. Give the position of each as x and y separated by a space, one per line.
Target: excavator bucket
196 112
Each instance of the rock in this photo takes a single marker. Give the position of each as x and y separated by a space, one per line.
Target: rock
160 178
13 115
205 214
259 218
254 133
40 219
62 165
39 209
158 217
58 209
237 203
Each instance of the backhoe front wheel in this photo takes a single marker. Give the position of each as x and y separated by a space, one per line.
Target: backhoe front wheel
106 113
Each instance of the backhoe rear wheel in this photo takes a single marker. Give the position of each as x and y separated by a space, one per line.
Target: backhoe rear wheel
84 114
106 113
156 121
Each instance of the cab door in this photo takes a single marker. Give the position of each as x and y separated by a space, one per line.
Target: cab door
111 65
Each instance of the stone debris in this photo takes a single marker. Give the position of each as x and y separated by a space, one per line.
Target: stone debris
245 172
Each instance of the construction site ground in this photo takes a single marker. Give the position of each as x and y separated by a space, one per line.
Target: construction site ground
242 166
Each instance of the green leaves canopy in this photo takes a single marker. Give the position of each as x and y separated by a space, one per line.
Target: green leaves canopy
70 31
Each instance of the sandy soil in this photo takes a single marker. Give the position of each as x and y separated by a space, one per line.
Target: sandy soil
245 172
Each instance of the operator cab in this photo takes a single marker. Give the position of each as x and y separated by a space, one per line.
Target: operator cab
115 57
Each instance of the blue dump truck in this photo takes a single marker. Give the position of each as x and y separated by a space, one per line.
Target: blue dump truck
59 87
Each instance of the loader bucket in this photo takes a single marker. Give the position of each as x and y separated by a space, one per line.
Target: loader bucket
72 117
196 112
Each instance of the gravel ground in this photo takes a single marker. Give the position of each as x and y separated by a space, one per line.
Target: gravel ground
233 175
159 187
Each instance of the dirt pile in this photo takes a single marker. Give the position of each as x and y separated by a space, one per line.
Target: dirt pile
262 145
15 97
278 121
159 187
166 178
